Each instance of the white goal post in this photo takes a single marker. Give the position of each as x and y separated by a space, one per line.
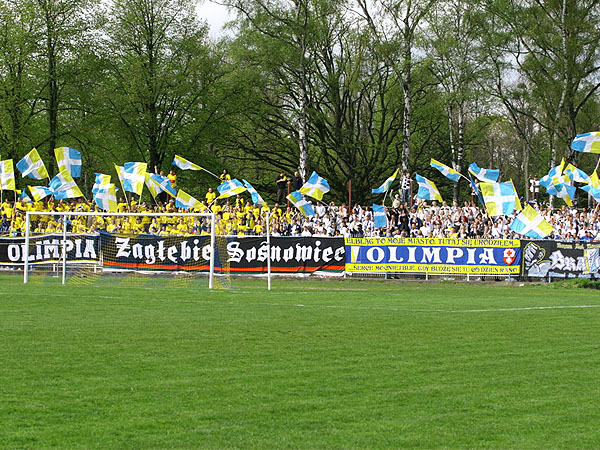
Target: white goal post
69 214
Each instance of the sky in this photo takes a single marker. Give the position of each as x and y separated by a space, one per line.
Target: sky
215 15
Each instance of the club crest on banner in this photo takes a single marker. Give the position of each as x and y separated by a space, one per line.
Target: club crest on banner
509 256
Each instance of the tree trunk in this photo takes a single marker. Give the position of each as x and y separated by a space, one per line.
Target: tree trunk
407 91
52 91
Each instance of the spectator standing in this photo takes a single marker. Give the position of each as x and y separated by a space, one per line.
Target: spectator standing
210 196
224 176
281 182
296 182
173 178
405 188
534 188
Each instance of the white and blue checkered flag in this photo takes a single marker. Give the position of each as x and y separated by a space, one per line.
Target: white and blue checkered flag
256 198
68 159
485 175
379 216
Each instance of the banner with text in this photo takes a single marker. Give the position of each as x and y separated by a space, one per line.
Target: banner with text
301 255
433 255
49 249
555 259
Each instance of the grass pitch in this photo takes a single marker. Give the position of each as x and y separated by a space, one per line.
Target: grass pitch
323 363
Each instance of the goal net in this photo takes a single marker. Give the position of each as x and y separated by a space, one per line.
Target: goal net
179 249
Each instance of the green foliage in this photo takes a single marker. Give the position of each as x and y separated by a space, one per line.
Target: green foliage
577 283
506 84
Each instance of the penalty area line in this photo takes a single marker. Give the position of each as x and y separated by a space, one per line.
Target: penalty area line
408 310
525 308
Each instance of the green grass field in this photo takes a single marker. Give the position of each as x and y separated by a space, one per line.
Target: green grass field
311 364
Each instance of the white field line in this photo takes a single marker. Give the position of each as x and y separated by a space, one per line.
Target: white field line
364 308
527 308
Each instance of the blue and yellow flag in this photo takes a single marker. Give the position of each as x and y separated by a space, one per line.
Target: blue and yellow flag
186 201
106 198
68 159
229 188
315 186
298 201
32 166
184 164
587 142
448 172
387 184
7 175
499 198
532 224
427 189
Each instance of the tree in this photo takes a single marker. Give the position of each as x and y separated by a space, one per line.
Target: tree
18 90
63 28
395 25
553 47
453 46
161 72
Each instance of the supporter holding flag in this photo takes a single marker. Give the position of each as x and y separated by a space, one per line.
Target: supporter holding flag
485 175
532 224
427 189
7 175
587 142
387 184
475 190
229 188
32 166
379 216
298 201
315 186
68 159
256 198
499 198
448 172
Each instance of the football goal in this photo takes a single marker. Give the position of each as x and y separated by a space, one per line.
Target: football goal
125 248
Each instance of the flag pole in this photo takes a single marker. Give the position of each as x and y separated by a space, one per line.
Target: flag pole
384 197
206 170
350 191
124 191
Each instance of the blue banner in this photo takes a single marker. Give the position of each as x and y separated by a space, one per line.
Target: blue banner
433 255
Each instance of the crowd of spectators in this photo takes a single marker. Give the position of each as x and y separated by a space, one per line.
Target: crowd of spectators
237 216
